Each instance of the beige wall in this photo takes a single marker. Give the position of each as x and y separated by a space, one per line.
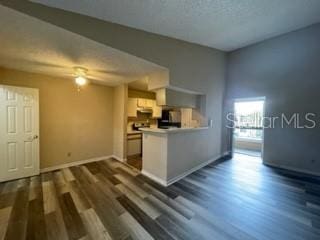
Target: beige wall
191 66
73 122
120 97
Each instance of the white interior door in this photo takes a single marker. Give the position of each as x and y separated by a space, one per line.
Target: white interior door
19 132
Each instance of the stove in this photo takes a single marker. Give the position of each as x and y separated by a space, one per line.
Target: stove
137 125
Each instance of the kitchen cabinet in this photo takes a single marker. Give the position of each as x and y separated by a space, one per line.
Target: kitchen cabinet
156 110
134 144
141 102
145 103
132 107
135 103
149 103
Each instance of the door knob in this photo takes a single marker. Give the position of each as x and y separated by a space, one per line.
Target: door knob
35 137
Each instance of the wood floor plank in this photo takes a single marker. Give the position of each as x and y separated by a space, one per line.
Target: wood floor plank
80 200
106 167
172 203
10 187
128 169
92 178
94 225
237 199
72 219
7 199
36 226
180 225
93 167
170 193
1 187
215 220
4 220
131 185
18 219
60 183
174 229
67 174
146 222
111 194
55 226
102 206
141 203
49 197
136 230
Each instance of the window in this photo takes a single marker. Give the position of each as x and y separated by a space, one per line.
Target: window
249 120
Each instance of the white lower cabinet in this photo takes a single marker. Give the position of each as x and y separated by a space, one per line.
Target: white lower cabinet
134 144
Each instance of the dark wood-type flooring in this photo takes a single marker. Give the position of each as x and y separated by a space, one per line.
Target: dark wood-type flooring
135 161
236 199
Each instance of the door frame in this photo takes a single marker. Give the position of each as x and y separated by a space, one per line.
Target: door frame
253 99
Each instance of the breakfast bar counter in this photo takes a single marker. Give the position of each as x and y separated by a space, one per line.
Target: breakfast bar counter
170 154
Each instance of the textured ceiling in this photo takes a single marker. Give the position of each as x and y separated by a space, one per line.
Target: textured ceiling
222 24
35 46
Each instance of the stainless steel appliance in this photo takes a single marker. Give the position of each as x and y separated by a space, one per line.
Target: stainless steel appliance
137 125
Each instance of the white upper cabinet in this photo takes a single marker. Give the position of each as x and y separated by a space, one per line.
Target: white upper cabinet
142 102
132 107
135 103
149 103
145 103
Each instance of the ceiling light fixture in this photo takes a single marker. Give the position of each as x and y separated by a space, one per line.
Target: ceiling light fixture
80 81
80 77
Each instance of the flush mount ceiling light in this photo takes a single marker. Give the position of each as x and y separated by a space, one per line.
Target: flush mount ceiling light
80 76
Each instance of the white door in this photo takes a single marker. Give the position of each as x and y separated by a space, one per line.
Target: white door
19 132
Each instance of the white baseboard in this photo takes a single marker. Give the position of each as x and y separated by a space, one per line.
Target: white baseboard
154 178
292 169
175 179
227 153
76 163
166 183
119 159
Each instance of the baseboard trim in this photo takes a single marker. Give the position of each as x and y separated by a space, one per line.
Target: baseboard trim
175 179
154 178
227 153
72 164
119 159
167 183
312 174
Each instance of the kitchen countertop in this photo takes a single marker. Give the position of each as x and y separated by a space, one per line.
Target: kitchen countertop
172 130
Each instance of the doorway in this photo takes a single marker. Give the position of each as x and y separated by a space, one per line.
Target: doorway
248 133
19 132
